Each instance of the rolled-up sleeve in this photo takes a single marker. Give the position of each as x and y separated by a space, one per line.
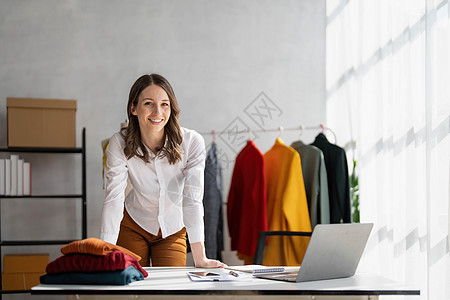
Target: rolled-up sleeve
193 189
116 182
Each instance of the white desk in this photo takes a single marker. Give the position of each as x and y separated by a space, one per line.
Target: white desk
173 283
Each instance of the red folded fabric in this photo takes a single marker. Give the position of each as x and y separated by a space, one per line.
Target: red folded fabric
79 262
94 246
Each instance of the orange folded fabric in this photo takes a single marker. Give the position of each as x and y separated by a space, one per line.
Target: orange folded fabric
95 246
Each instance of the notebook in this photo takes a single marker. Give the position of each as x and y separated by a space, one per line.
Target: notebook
334 251
258 269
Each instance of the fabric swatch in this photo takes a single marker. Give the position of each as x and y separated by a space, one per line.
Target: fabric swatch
94 246
80 262
123 277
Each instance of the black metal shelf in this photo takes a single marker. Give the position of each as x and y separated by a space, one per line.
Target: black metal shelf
43 196
81 196
35 243
41 150
16 292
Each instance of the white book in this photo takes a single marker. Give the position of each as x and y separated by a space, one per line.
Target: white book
26 178
20 177
7 177
259 269
2 176
14 159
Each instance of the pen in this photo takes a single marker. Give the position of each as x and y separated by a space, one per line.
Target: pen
234 274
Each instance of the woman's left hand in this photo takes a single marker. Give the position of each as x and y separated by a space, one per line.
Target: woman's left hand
200 259
210 263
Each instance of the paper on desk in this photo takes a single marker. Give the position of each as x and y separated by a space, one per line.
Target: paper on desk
218 275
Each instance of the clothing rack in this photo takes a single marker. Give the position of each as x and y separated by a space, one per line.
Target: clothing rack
280 129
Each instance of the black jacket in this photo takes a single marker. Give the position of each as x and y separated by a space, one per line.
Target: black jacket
338 180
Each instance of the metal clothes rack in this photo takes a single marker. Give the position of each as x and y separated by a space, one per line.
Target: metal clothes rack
280 129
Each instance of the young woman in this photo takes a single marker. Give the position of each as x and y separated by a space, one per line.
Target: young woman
165 165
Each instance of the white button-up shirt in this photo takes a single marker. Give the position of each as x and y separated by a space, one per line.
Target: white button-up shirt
164 196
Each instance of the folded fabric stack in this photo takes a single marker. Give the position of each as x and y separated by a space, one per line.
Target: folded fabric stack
93 261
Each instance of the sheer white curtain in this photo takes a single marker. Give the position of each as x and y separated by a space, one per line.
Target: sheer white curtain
388 91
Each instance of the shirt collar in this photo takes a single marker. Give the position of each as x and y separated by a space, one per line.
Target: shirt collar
150 152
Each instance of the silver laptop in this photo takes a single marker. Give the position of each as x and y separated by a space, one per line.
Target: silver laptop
334 251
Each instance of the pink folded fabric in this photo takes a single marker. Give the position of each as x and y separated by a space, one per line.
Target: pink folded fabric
94 246
79 262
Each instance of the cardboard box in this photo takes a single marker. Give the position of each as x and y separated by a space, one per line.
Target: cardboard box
41 122
20 281
25 263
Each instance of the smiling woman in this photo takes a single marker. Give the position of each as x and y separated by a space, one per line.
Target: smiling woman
152 99
153 111
165 165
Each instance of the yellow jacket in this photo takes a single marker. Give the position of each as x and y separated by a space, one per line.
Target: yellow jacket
287 208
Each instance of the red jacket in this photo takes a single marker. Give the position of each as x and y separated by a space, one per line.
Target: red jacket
246 209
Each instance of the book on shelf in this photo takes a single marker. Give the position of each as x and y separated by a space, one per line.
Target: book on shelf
2 176
14 159
20 177
15 176
26 179
7 177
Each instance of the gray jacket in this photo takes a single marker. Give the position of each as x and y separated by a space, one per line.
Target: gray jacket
316 182
212 203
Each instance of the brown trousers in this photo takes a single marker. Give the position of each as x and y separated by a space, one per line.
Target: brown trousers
153 249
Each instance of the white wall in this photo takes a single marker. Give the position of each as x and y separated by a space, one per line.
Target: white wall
218 55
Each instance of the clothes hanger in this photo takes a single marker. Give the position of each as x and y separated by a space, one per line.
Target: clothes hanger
301 131
280 131
331 131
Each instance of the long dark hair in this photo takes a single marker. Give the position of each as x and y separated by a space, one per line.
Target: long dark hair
172 131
